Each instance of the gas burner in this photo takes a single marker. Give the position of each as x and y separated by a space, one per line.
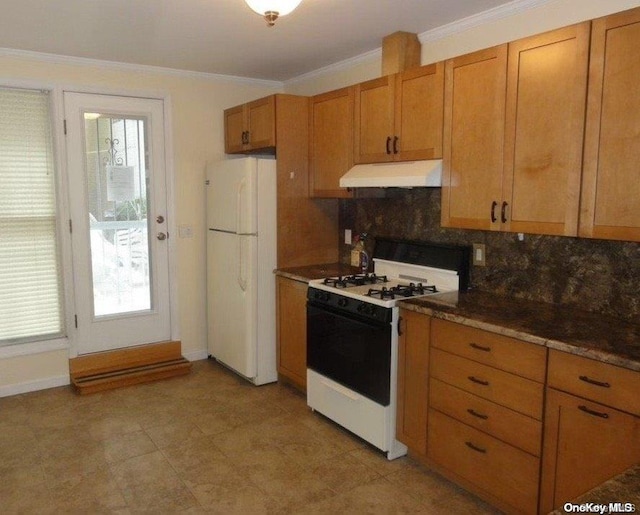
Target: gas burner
382 294
355 280
411 289
336 282
401 290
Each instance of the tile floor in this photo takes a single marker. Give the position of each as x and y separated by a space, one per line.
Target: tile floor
208 442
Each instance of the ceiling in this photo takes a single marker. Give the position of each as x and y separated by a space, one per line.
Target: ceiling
221 36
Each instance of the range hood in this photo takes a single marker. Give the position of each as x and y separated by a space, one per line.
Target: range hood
409 174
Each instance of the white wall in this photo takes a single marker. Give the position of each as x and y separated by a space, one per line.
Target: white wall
489 29
197 125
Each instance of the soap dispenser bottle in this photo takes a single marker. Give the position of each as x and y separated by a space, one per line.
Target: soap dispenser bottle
364 257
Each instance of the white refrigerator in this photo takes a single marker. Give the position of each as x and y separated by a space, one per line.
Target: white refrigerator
241 257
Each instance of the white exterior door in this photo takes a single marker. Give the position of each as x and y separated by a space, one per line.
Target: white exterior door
118 207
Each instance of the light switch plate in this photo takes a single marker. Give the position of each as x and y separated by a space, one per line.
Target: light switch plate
347 236
479 254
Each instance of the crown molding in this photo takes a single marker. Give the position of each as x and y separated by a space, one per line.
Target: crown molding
119 66
497 13
373 55
456 27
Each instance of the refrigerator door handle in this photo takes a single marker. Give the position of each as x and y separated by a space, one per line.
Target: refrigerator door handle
242 279
241 187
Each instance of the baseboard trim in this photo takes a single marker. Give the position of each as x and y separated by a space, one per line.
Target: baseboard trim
34 386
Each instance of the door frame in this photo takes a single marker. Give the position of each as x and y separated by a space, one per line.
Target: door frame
65 195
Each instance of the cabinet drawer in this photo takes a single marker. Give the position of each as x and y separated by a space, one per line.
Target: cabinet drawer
515 392
499 469
505 424
525 359
607 384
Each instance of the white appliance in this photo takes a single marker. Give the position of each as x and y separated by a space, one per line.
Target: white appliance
241 257
352 334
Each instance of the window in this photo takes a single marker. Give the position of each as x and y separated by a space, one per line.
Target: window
30 285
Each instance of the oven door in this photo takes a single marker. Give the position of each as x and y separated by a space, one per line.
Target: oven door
352 351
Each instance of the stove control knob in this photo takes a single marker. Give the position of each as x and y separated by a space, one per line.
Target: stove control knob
361 307
371 310
322 296
342 302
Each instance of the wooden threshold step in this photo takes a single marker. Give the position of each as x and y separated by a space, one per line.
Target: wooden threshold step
125 367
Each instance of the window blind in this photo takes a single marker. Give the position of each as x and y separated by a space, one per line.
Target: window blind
30 286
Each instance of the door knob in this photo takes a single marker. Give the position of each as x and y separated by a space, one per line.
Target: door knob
160 219
161 236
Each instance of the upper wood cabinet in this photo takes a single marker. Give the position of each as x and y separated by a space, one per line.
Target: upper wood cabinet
251 127
474 107
399 117
544 131
513 157
330 142
611 176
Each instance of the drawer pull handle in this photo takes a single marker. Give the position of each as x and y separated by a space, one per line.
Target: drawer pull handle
475 448
478 381
592 412
476 414
594 382
479 347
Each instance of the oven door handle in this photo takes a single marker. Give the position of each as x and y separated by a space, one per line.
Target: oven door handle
347 316
341 390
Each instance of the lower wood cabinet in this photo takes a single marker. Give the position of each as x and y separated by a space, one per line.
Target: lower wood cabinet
587 441
291 312
413 381
525 428
504 472
486 395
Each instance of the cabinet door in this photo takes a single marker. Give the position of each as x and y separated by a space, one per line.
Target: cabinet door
261 123
418 113
474 109
413 380
234 127
546 93
292 330
584 445
331 142
374 120
610 188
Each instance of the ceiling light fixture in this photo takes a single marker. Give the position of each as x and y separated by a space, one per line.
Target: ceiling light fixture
272 9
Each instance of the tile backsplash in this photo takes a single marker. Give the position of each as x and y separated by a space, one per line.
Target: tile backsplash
595 275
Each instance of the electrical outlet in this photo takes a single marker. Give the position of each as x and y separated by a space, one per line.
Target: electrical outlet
479 254
347 236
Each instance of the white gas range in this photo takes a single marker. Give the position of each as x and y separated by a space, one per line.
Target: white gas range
352 334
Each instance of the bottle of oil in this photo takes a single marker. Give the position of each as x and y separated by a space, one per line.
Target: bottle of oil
359 256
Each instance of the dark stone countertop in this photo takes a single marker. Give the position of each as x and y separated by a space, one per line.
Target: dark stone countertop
594 336
309 272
